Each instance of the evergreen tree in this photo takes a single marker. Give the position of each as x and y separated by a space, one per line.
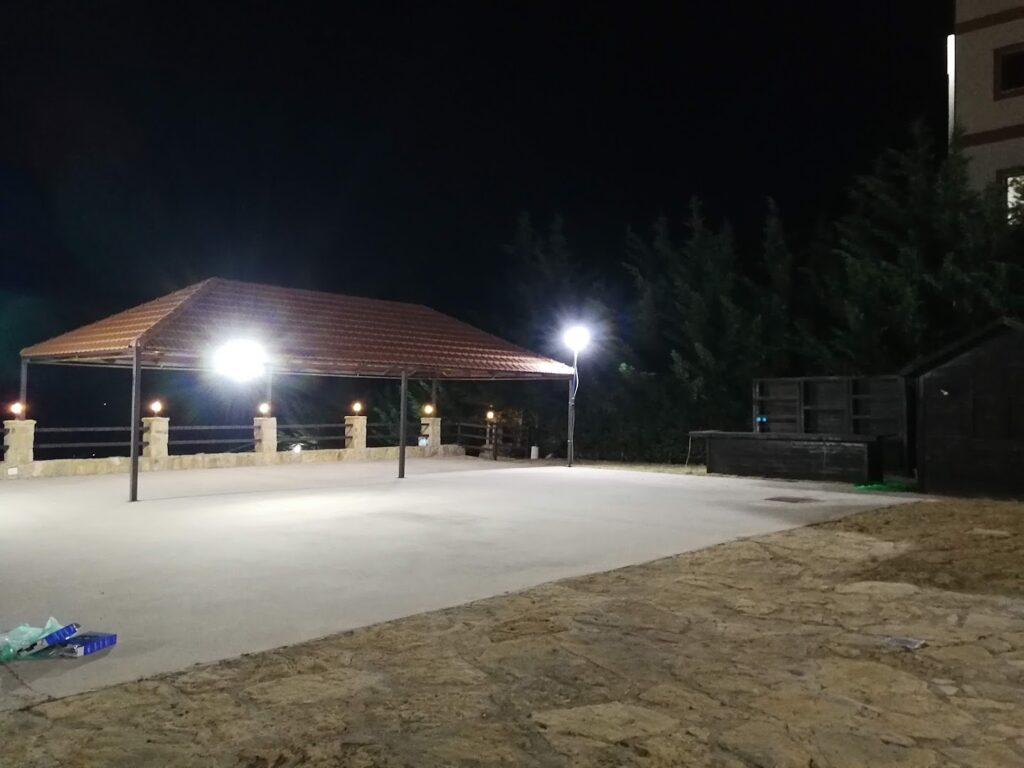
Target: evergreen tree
923 257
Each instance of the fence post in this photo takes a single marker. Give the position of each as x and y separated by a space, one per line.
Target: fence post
154 436
430 428
264 430
355 432
19 438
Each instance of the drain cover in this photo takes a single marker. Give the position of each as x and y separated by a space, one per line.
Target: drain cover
791 499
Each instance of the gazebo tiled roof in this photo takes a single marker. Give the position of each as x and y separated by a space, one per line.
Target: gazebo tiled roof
303 332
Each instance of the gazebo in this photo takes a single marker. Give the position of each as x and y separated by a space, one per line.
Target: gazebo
271 329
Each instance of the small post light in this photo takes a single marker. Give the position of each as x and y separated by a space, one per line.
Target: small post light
491 416
156 407
357 407
263 408
17 408
428 410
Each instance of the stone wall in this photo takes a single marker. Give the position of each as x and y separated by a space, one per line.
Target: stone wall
116 464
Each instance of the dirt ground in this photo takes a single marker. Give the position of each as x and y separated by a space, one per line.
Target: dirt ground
777 651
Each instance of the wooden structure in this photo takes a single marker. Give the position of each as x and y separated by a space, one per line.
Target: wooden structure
970 413
849 458
867 406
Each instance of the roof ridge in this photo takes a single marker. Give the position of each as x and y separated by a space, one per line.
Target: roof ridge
197 288
952 348
321 292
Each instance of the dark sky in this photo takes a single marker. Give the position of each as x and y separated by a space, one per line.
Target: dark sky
385 149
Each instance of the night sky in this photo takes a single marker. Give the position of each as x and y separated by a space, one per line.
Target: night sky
386 149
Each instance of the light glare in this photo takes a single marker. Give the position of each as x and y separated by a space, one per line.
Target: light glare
155 407
264 409
490 415
297 448
357 407
428 409
241 360
17 409
576 338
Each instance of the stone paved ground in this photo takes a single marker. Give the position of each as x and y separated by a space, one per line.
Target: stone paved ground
764 652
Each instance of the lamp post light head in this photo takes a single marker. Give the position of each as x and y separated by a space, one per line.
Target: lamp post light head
357 407
240 359
17 408
491 416
576 338
264 409
428 410
156 407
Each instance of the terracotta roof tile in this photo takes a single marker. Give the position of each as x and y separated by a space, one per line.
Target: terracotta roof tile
303 331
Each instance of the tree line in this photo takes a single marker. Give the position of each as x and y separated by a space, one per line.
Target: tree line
691 316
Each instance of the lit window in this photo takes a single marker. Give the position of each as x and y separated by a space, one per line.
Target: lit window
1013 185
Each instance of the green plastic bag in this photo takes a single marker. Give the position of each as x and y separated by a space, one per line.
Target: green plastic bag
22 636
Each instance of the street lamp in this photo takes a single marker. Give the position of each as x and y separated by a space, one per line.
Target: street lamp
576 338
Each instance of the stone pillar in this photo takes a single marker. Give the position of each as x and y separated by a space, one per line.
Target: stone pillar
154 436
19 437
355 432
430 428
264 429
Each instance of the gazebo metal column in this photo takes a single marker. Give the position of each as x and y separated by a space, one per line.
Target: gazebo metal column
403 424
136 436
23 389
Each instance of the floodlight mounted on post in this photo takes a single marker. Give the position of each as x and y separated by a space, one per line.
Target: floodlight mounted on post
576 338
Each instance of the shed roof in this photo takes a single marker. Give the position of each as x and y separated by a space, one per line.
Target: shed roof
963 344
303 332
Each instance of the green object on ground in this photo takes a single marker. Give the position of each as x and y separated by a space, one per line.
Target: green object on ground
22 636
893 486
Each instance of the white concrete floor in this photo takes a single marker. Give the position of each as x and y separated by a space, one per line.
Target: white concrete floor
216 563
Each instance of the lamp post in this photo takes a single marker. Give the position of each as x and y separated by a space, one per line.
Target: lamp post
576 338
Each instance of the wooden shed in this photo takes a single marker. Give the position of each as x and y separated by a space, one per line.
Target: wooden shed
862 406
970 414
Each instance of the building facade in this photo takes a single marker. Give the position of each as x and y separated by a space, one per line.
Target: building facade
986 100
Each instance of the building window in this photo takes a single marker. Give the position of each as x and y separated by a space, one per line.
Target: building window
1009 71
1011 181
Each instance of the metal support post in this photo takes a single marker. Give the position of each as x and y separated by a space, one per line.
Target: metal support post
136 434
573 385
23 389
403 424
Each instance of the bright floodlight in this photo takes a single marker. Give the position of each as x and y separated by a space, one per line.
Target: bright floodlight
241 360
156 406
357 407
576 338
17 409
428 409
264 409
